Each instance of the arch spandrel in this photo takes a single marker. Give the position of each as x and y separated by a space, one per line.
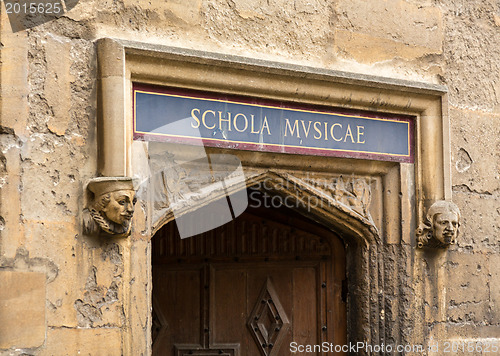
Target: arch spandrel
340 204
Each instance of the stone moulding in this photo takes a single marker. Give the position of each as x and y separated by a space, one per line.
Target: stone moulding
440 227
112 207
400 193
122 62
341 204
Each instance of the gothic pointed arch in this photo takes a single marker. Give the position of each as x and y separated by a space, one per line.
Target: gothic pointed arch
338 203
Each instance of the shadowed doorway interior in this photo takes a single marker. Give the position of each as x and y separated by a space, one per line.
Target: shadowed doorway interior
269 279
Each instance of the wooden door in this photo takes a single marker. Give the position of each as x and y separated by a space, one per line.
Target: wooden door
251 287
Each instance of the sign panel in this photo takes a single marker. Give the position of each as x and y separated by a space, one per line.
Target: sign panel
194 117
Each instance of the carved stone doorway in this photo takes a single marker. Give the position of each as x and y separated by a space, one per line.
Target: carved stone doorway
251 287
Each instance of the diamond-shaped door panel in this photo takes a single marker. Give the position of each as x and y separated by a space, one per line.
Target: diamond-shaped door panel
268 322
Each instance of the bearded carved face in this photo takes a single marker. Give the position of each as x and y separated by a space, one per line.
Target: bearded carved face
120 207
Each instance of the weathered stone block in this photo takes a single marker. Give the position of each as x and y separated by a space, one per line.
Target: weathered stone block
308 6
105 342
299 29
474 147
56 241
471 54
58 81
183 11
12 234
83 10
99 296
469 312
467 280
449 338
480 223
471 332
14 74
136 309
495 286
87 289
49 178
250 8
373 31
22 309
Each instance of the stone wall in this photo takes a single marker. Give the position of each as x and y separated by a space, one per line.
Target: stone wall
49 148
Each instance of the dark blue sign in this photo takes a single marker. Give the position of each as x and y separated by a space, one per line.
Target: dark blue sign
248 124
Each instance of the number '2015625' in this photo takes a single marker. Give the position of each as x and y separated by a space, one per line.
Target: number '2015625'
471 346
33 8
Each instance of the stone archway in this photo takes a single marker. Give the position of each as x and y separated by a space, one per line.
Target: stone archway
384 275
340 204
256 285
336 203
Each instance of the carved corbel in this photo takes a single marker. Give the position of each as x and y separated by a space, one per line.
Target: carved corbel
441 226
112 207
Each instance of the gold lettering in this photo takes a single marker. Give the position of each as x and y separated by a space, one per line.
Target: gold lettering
193 116
317 130
228 120
251 130
361 133
236 119
304 127
326 133
331 131
295 126
266 126
348 133
204 116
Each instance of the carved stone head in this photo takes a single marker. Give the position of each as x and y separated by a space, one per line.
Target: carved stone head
112 208
441 226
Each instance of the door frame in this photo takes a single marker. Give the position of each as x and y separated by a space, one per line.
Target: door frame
404 190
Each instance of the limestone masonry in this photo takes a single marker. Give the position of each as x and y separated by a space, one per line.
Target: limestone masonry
77 277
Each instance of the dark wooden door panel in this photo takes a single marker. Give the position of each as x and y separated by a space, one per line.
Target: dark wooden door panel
177 294
227 302
236 294
306 313
248 288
